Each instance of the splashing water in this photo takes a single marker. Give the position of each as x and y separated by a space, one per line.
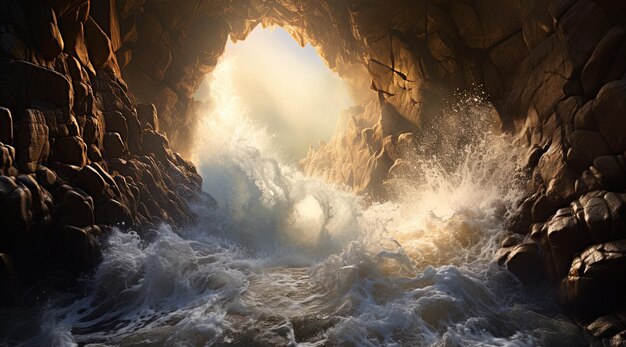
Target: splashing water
292 260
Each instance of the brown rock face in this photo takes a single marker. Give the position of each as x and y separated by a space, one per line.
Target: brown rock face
96 97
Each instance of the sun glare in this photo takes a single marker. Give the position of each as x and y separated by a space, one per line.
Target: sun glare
279 86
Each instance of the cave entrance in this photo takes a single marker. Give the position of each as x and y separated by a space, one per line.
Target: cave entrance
288 96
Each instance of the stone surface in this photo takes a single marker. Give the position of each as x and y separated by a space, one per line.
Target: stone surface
592 282
553 72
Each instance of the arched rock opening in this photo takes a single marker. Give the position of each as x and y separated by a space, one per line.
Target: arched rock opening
553 69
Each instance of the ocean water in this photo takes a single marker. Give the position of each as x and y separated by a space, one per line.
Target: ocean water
290 260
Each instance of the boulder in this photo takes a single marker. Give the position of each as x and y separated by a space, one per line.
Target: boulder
17 90
105 14
610 171
609 112
93 153
101 52
113 212
586 146
80 248
15 210
116 122
90 180
113 145
592 284
607 326
76 210
147 115
45 30
524 261
74 38
599 65
70 150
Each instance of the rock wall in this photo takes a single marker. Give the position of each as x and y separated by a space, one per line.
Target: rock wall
82 82
77 156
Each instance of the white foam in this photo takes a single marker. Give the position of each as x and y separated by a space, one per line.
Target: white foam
288 259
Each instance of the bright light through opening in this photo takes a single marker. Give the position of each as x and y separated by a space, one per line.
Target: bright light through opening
285 88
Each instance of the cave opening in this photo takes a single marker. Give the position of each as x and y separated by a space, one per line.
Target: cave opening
284 92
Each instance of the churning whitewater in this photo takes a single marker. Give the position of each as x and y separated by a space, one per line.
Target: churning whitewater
284 259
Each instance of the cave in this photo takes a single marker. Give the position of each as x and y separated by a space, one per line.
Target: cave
473 191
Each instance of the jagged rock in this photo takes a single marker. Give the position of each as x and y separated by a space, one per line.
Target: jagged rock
74 38
147 114
104 12
45 30
31 141
592 283
116 123
101 52
93 153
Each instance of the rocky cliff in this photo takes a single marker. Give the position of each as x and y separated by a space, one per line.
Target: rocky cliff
91 91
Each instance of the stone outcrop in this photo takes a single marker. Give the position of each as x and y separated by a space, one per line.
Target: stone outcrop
74 160
95 96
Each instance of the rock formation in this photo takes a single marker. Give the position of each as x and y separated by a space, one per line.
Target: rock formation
92 94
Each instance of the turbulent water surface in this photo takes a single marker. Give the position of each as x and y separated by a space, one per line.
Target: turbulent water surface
291 260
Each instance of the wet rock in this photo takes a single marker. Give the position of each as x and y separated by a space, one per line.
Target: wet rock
592 283
607 326
524 261
113 212
80 248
